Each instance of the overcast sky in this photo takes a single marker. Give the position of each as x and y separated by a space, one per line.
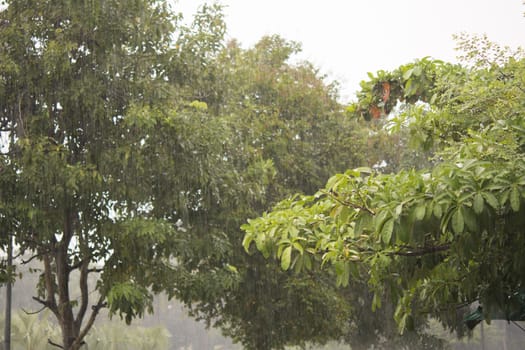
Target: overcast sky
348 38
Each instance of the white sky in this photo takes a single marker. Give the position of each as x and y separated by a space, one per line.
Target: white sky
348 38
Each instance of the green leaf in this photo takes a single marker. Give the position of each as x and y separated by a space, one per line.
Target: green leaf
362 223
515 199
298 247
342 270
438 212
458 224
491 200
307 262
403 231
470 219
380 220
387 230
398 210
286 258
248 239
345 214
479 203
420 212
408 74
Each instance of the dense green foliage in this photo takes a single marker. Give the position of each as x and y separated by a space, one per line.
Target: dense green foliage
288 118
135 147
433 239
78 164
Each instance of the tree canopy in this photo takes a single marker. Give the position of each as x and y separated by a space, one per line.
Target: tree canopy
134 146
432 239
100 159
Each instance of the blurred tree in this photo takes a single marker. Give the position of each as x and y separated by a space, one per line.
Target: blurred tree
285 117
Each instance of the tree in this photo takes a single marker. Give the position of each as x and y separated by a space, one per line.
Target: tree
285 116
432 239
98 162
124 173
281 114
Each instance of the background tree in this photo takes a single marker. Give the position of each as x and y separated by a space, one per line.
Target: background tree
269 104
287 116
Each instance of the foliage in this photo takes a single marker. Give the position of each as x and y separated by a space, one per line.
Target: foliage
98 164
432 239
132 161
286 117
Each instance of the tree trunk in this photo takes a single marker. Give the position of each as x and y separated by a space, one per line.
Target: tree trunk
65 307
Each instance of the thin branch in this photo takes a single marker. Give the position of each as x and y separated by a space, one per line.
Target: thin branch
50 287
79 264
95 270
420 251
25 262
34 312
519 326
335 196
47 304
54 344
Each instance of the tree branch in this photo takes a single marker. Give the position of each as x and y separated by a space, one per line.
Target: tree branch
335 196
54 344
25 262
33 312
49 285
420 251
84 293
95 270
96 308
47 304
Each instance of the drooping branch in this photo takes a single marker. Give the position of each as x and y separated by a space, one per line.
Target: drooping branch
47 304
35 256
95 270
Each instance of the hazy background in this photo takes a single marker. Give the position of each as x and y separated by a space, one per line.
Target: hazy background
348 38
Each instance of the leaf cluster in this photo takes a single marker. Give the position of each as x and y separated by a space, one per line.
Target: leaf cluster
433 239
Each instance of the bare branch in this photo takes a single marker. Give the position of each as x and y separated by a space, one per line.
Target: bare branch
54 344
47 304
34 312
27 261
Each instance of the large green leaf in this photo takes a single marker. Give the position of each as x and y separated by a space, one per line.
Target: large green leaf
286 258
458 222
387 230
479 203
